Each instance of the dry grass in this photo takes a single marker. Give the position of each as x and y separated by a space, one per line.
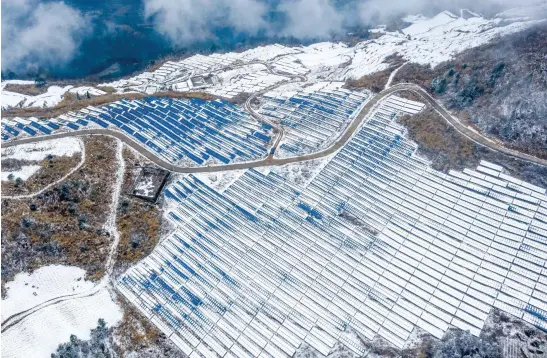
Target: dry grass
415 73
438 141
107 89
139 222
51 170
29 90
136 336
411 95
135 329
374 82
71 103
64 224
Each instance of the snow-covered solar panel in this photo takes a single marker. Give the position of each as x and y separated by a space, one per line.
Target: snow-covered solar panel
307 263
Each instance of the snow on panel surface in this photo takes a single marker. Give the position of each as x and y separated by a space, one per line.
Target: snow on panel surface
183 131
313 117
378 241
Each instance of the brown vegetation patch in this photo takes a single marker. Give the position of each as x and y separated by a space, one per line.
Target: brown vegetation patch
447 149
376 81
107 89
70 103
411 95
64 224
135 333
138 221
415 73
52 169
438 141
29 90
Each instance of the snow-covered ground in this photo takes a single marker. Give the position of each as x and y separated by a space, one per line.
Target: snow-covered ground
36 152
84 90
220 181
28 290
51 98
24 173
39 334
39 151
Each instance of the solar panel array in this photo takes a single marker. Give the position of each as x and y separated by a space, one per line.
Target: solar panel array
174 72
249 83
377 244
312 118
178 130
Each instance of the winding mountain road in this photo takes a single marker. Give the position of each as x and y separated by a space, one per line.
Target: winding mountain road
269 160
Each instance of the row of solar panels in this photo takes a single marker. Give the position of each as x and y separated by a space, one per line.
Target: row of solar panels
442 254
312 119
174 129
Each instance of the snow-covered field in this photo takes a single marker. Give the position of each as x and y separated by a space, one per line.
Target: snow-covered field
36 152
28 290
24 173
39 334
39 151
221 180
51 98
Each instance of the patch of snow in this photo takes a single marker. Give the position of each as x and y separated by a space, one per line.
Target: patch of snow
16 82
84 90
220 181
392 76
145 187
110 224
414 18
38 151
301 173
429 25
39 334
24 173
51 98
47 282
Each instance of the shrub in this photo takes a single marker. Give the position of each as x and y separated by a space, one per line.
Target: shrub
438 85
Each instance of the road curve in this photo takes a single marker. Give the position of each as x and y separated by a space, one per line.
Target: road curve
270 161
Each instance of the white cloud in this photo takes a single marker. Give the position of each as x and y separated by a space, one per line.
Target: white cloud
311 19
383 10
185 21
36 33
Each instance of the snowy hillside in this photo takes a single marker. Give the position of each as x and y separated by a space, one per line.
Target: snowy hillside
424 41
